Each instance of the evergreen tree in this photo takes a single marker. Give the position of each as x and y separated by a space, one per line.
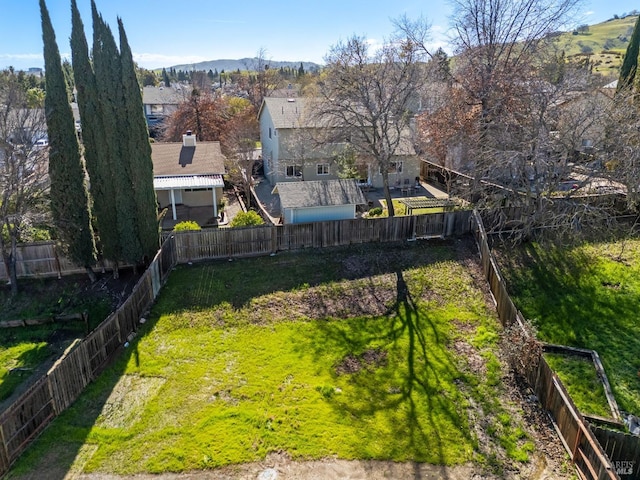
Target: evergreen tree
301 70
165 78
108 73
95 155
68 191
630 62
138 151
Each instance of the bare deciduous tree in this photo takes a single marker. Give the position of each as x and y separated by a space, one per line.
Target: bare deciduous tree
24 180
368 99
239 145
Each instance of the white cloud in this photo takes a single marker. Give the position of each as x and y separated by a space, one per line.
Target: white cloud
590 12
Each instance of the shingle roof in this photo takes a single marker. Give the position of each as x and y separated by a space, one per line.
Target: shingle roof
289 112
320 193
175 159
164 95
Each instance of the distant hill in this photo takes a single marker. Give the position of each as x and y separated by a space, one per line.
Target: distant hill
604 43
242 64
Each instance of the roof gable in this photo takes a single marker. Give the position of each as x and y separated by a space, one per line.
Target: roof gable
171 159
320 193
289 112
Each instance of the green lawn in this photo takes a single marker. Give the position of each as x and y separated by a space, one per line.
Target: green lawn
23 349
371 352
586 297
400 208
579 375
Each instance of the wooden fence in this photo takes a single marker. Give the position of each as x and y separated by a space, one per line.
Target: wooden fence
237 242
25 419
580 442
42 259
623 450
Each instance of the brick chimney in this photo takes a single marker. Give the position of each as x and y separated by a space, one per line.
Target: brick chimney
188 139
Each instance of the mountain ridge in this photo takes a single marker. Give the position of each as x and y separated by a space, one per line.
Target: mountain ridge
243 64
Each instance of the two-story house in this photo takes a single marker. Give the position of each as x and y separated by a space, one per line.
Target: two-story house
159 102
293 148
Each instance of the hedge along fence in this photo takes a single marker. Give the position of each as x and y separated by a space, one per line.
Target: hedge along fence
580 442
25 419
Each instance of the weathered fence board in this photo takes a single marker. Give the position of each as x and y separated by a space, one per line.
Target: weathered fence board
580 442
25 419
623 450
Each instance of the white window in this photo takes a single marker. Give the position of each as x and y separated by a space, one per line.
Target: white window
394 167
322 168
294 171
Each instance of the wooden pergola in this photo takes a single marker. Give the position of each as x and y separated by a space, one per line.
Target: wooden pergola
423 202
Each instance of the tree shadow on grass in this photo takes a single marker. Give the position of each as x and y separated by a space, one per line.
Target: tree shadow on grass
205 285
574 302
414 394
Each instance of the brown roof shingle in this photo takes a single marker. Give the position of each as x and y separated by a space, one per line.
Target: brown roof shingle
205 158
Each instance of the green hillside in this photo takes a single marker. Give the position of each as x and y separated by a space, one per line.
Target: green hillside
604 43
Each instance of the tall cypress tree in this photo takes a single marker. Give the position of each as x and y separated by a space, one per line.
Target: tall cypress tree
68 192
630 62
108 74
138 151
102 191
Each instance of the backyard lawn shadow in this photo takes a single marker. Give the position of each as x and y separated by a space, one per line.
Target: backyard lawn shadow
414 392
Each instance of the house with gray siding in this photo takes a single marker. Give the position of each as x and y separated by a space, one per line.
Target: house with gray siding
293 150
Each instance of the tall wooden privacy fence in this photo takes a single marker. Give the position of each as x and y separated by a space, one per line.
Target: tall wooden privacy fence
623 450
55 391
579 440
25 419
225 243
42 259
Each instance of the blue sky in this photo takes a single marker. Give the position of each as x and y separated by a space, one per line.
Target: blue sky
164 33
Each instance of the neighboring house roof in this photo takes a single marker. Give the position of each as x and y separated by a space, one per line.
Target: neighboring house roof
174 159
291 112
321 193
164 95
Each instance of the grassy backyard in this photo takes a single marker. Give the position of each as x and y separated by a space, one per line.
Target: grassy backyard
371 352
585 297
24 349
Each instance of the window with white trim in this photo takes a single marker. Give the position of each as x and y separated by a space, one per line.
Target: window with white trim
294 171
322 168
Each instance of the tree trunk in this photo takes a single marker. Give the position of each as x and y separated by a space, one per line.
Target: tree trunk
13 270
387 193
116 272
91 273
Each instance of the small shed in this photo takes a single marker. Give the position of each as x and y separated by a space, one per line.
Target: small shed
318 201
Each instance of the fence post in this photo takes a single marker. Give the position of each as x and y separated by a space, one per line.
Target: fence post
57 261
